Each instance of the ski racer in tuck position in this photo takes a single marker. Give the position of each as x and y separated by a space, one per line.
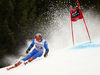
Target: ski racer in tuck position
39 44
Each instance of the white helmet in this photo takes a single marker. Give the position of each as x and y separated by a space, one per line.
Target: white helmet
38 34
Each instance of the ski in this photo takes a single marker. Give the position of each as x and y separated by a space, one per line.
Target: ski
25 63
9 68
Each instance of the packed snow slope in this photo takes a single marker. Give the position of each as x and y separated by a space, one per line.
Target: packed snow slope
83 59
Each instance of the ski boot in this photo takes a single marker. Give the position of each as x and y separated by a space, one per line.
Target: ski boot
29 60
17 64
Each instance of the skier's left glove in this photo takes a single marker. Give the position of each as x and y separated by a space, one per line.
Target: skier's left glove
46 53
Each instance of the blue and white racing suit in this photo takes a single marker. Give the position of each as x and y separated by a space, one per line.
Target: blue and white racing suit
38 50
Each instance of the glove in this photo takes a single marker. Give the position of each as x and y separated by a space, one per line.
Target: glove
27 51
46 53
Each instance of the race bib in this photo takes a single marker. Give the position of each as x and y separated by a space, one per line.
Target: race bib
39 46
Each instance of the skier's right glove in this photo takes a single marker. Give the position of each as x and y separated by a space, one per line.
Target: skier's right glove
27 51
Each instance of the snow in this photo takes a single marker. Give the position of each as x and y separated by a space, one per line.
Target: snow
72 61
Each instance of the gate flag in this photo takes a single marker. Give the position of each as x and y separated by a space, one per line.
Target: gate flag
76 14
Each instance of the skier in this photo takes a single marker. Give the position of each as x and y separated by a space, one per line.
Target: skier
39 44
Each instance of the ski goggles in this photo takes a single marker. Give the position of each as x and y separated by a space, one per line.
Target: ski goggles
38 38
